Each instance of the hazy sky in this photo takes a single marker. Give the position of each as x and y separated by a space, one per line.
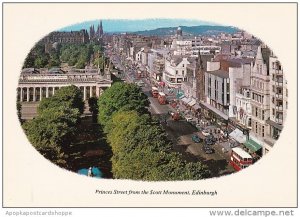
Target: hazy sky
135 25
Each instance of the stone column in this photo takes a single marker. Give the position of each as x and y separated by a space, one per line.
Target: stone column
84 93
53 90
91 91
41 93
97 91
27 94
47 92
21 95
34 99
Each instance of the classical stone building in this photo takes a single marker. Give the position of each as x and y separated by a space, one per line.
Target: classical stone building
76 37
35 84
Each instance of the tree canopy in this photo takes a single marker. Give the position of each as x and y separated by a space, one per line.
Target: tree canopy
121 97
52 130
69 96
56 124
78 55
141 151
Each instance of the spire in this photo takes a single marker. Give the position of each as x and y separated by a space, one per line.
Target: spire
100 29
259 54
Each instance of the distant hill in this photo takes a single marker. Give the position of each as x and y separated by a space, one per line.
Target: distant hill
189 30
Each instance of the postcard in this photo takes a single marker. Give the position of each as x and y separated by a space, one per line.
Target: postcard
149 105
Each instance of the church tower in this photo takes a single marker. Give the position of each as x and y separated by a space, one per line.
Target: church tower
100 29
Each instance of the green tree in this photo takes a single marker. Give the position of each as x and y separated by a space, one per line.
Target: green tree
93 107
69 96
52 131
54 59
141 151
19 112
121 97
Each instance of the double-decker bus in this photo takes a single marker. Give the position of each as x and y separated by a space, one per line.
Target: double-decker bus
162 98
240 159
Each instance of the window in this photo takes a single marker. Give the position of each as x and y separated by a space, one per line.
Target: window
182 65
255 127
263 131
260 69
176 72
263 115
256 112
286 104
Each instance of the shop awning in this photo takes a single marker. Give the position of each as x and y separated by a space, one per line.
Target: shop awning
252 145
179 95
192 102
238 136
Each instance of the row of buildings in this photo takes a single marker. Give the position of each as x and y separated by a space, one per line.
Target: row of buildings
232 78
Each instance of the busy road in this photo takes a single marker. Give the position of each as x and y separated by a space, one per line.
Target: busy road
180 132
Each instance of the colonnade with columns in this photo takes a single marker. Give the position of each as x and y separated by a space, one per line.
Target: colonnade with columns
30 93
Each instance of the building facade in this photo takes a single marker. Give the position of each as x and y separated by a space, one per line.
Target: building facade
260 96
278 102
35 84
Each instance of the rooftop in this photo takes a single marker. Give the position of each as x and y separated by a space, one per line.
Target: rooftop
220 73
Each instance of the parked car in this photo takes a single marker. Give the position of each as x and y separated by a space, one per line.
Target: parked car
188 118
209 141
207 149
196 138
205 132
212 138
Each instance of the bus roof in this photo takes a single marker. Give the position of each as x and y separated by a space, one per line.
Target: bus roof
241 152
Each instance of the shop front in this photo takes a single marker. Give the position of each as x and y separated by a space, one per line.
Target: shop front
254 148
214 115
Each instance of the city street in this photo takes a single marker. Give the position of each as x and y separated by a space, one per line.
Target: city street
181 132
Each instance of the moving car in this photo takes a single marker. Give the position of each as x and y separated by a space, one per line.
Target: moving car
175 115
196 138
207 149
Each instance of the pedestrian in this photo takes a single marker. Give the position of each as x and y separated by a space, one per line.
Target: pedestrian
90 172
